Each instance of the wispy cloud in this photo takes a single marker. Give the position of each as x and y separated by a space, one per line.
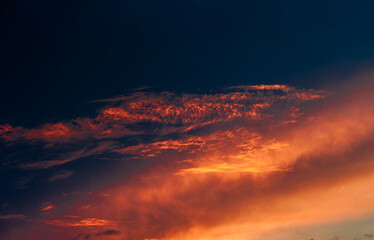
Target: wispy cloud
160 114
68 157
183 112
60 175
47 208
13 216
75 221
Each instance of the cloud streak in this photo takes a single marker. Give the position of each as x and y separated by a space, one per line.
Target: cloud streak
75 221
179 112
158 114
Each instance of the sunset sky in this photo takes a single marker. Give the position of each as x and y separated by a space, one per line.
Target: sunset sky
180 120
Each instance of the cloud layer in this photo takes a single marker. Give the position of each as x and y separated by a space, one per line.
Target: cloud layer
229 164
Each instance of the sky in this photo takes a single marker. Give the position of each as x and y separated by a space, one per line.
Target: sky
179 120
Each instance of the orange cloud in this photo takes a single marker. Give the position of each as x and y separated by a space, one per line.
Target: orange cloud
243 182
226 165
47 208
284 88
161 113
75 221
186 112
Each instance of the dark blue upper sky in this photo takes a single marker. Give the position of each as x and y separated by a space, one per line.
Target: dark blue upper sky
59 55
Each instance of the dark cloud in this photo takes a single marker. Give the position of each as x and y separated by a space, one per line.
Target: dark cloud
78 236
108 232
60 175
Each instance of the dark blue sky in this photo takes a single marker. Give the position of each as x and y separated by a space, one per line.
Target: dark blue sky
58 55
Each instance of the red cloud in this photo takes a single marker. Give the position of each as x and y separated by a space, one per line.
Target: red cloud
47 208
162 113
75 221
240 182
225 165
183 112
